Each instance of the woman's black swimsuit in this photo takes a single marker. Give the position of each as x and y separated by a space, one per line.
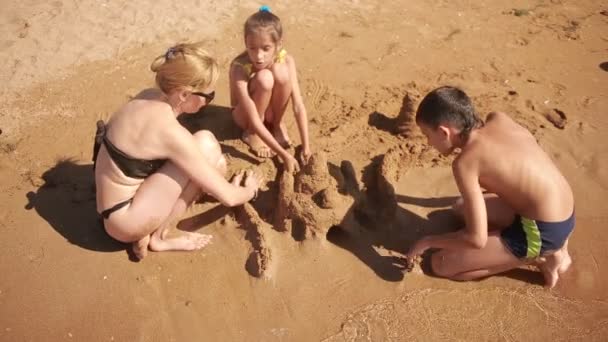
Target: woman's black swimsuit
131 167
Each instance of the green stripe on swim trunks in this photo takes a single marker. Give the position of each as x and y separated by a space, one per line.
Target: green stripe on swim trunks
532 236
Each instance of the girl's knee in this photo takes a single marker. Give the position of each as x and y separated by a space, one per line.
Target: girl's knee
263 79
280 73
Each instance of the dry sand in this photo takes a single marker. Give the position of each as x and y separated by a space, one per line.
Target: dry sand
273 273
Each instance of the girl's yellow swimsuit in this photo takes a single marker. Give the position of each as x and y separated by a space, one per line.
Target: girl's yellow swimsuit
248 67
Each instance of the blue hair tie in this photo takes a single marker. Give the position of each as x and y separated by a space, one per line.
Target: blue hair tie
265 9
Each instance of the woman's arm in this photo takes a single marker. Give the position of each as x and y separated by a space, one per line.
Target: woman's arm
299 109
183 150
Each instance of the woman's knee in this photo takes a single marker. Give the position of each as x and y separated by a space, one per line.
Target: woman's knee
208 143
264 80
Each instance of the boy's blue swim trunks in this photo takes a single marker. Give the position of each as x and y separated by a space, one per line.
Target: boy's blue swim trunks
528 239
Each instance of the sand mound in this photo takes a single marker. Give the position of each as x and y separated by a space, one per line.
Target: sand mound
309 203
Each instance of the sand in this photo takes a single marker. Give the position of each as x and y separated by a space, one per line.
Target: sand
316 257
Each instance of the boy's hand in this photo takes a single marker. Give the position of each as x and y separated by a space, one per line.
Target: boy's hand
418 248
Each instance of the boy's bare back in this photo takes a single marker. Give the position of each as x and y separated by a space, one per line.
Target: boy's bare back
511 164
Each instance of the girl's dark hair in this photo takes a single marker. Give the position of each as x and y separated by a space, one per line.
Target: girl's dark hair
448 105
265 20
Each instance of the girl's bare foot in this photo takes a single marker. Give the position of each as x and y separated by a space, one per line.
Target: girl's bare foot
187 241
257 146
140 248
280 133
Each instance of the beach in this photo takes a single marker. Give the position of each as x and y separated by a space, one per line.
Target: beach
334 273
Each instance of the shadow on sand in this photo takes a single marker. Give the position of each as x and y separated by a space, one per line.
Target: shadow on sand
66 201
367 228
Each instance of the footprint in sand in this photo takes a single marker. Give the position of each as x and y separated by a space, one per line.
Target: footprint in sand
557 118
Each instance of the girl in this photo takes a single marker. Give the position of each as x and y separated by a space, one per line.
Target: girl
149 168
262 80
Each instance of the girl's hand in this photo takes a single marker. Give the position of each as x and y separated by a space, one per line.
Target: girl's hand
305 155
291 164
418 248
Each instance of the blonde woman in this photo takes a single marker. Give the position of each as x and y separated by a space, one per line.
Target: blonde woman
149 168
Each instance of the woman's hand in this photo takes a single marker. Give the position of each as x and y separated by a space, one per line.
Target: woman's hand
252 181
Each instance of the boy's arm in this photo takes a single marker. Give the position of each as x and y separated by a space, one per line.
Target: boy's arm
299 109
475 232
239 81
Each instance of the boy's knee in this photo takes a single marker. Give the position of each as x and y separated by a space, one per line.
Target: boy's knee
439 267
457 207
264 79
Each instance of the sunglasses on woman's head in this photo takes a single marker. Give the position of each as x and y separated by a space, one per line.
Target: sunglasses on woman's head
209 96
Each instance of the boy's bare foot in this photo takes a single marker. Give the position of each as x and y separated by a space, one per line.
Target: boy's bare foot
566 262
280 133
140 248
257 146
187 241
553 265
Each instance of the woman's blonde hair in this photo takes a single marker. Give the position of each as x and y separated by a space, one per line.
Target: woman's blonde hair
185 65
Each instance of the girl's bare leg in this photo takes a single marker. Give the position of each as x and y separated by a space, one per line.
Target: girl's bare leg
260 88
278 103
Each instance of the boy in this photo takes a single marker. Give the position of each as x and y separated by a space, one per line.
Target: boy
526 212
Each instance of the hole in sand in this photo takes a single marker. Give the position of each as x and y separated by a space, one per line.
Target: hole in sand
604 66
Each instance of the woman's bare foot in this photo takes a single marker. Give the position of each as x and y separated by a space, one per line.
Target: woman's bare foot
140 248
257 146
187 241
280 133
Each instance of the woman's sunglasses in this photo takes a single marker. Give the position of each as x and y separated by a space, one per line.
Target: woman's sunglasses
209 96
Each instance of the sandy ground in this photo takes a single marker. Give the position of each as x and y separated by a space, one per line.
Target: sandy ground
68 63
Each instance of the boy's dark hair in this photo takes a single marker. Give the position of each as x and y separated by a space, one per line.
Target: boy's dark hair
448 105
264 19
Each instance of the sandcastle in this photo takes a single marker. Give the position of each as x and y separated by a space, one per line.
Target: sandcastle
313 201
